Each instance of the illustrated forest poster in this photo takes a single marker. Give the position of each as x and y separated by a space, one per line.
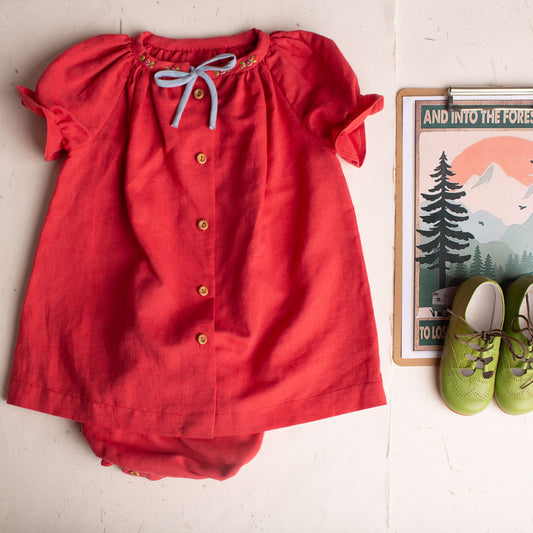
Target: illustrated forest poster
474 203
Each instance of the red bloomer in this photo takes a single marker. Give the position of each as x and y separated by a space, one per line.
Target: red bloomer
155 457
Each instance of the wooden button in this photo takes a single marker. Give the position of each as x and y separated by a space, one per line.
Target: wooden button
202 290
201 158
198 93
202 224
202 339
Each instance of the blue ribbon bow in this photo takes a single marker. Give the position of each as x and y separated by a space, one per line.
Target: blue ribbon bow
189 79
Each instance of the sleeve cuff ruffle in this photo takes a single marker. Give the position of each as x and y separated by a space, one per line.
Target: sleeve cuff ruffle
350 140
54 139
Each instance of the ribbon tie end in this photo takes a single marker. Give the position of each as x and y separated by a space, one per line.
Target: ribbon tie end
179 78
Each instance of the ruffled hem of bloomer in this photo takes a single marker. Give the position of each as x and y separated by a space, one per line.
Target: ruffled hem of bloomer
350 142
199 425
155 456
131 472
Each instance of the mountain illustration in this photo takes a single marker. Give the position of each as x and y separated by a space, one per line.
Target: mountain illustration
498 250
529 192
520 237
484 226
501 195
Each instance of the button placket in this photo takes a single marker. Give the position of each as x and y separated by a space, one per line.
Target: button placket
206 176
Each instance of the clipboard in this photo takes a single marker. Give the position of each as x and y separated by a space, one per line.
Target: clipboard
478 141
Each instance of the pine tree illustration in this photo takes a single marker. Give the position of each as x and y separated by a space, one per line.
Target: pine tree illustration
443 215
459 274
477 263
525 262
511 266
489 269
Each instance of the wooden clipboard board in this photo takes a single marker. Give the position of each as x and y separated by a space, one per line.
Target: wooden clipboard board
398 238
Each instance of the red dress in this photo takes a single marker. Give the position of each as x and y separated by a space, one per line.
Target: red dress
193 282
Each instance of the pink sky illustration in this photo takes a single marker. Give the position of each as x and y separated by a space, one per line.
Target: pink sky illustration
513 154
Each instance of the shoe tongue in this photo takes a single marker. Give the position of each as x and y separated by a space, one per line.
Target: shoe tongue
485 308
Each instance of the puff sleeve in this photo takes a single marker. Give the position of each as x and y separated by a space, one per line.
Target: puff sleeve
323 90
78 90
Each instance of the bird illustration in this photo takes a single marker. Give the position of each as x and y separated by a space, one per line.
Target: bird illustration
481 222
522 207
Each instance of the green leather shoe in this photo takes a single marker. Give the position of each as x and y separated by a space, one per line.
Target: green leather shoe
514 376
471 346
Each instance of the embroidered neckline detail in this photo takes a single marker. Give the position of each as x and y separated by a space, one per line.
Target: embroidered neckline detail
143 41
147 61
247 62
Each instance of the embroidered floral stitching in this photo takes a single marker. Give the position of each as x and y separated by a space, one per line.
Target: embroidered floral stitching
150 63
248 62
147 61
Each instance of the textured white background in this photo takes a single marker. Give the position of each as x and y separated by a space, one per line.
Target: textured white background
411 466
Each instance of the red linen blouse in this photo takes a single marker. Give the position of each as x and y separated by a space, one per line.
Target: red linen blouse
191 281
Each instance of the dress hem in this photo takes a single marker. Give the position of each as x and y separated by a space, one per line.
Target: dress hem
200 425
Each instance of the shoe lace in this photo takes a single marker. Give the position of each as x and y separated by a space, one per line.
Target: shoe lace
481 342
526 360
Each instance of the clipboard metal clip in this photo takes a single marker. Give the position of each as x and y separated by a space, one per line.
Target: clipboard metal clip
497 90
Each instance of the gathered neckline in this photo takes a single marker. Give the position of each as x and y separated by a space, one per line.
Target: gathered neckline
156 52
